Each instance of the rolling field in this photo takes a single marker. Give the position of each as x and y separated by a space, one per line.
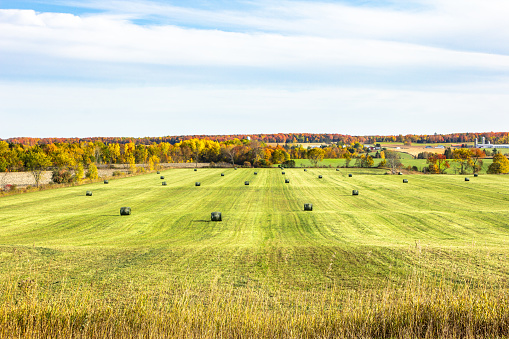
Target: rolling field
365 265
406 160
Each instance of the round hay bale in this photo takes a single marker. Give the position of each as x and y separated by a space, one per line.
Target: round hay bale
235 168
355 192
283 173
399 173
255 173
246 182
89 193
287 181
476 175
350 175
125 210
106 182
337 169
197 183
305 170
215 216
162 177
195 169
320 177
164 183
308 207
158 172
467 179
222 174
405 181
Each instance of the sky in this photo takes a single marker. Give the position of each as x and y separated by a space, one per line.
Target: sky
135 68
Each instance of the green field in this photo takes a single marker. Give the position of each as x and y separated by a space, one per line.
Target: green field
406 160
267 264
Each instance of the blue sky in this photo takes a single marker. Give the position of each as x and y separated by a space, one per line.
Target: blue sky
153 68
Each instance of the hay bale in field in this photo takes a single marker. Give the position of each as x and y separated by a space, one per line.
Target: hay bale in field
215 216
246 182
195 169
337 169
158 172
399 173
319 177
89 193
405 181
350 175
125 211
222 174
162 177
287 181
164 183
197 183
467 179
106 182
283 173
235 168
305 170
355 192
308 207
476 175
255 173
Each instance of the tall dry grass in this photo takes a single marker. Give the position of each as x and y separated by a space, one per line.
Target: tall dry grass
416 309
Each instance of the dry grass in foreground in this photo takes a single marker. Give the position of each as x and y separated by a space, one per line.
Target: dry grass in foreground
416 310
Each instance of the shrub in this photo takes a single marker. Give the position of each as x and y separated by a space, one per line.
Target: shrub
92 172
289 163
62 176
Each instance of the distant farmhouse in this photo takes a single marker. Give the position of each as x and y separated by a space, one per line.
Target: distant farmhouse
488 145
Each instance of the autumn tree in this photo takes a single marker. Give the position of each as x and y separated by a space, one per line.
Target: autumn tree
463 157
92 172
36 161
477 154
500 165
393 160
437 163
315 155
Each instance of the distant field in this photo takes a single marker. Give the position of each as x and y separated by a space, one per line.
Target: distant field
406 160
269 268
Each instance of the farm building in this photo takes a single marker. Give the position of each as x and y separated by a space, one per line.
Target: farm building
488 145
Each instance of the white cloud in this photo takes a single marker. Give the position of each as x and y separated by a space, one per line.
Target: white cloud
106 38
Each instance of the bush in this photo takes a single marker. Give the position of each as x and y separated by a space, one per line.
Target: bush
117 173
62 176
246 164
92 172
289 163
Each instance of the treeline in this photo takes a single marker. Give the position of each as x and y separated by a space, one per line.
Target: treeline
77 155
280 138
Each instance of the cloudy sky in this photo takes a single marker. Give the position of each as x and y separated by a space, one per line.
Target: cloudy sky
154 68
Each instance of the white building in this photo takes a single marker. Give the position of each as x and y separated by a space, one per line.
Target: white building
488 145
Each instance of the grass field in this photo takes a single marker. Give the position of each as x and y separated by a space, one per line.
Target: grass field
426 258
406 160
